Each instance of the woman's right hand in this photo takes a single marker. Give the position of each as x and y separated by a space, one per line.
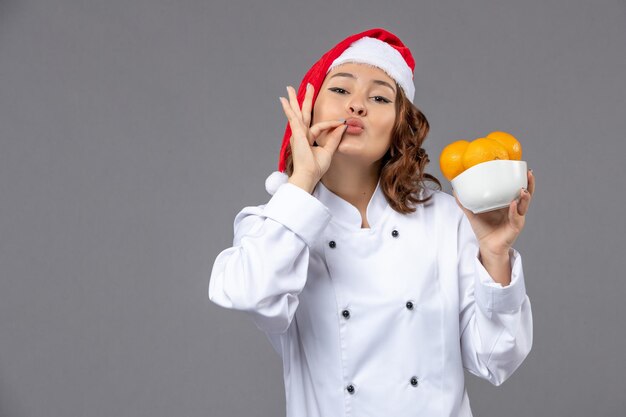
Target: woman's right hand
310 162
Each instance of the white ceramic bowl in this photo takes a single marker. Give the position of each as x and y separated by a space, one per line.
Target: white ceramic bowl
490 185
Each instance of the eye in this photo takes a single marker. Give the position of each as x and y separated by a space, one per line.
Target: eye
338 90
381 99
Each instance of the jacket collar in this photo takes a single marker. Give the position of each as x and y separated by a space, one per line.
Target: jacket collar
347 214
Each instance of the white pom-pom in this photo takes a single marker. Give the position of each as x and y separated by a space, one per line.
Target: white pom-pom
275 180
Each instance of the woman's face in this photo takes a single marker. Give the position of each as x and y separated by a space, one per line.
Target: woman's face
364 95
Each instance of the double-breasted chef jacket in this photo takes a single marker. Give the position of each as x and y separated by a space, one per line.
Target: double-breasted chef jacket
377 321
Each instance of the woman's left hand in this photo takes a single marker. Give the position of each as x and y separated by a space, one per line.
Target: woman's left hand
497 230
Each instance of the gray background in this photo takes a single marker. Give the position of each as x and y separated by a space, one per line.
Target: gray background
132 132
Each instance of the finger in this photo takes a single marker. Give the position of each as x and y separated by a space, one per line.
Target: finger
294 122
293 102
317 128
516 220
334 137
291 117
531 182
286 108
524 202
307 104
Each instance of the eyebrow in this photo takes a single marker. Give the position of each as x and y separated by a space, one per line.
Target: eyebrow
379 82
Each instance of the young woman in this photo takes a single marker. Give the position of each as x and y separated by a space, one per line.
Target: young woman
376 290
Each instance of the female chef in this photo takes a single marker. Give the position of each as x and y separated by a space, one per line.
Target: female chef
376 290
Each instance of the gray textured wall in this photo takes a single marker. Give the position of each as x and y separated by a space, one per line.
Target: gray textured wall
132 132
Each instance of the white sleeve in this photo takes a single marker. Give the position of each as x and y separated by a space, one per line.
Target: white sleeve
495 321
266 268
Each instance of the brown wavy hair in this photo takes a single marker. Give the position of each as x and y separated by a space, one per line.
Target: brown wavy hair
402 173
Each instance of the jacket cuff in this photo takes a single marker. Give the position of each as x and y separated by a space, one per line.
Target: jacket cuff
299 211
491 296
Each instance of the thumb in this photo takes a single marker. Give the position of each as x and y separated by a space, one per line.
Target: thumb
333 138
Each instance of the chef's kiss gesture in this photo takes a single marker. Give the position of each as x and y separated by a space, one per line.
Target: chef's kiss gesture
310 162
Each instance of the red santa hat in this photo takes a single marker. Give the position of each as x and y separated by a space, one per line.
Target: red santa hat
376 47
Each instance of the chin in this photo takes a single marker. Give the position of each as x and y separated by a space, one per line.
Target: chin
353 154
349 149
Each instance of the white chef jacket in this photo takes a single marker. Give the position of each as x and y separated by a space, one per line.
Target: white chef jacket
377 321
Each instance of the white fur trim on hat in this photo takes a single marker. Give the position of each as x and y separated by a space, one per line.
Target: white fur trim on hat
382 55
275 180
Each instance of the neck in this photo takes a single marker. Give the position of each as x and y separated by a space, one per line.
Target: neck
354 183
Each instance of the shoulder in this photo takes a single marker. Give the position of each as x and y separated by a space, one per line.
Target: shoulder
443 203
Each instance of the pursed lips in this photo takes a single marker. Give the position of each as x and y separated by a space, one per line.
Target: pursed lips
355 126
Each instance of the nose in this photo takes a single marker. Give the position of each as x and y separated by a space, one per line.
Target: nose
356 107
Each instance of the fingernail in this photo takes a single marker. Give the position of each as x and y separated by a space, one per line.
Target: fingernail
309 85
531 172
